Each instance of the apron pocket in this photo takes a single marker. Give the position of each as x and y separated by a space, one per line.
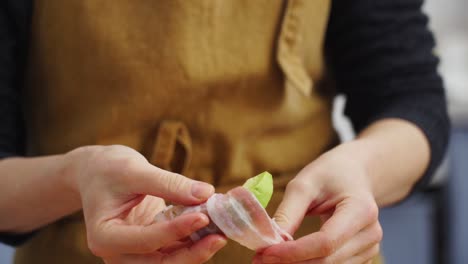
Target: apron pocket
173 148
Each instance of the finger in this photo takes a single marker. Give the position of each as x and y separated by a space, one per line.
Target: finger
358 245
174 246
315 245
297 197
365 239
349 218
171 186
366 256
115 237
200 252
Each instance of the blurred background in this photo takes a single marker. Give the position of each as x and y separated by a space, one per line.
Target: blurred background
431 227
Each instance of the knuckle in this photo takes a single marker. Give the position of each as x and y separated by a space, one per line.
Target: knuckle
292 185
87 150
173 182
378 233
299 186
121 166
118 149
281 217
371 211
327 246
119 157
180 230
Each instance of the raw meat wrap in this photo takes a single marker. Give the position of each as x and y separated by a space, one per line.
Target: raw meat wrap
238 215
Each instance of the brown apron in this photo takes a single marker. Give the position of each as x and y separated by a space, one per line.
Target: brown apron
216 90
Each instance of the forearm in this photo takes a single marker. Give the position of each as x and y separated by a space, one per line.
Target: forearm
34 192
395 154
384 77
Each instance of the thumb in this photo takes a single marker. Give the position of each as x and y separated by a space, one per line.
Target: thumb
172 186
293 208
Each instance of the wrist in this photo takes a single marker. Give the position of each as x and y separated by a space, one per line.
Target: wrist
72 166
366 154
361 156
394 154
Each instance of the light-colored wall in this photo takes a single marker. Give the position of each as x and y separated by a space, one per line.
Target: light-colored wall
450 25
6 254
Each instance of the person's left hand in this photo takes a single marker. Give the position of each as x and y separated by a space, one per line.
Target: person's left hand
337 188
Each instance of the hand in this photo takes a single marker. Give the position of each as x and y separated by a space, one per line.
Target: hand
121 193
336 188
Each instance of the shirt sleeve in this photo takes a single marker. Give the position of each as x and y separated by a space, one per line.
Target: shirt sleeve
12 46
381 55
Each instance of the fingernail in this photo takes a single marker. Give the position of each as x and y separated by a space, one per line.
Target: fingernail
218 245
270 259
202 190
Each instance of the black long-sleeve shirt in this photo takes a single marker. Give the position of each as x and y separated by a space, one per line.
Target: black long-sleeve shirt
380 53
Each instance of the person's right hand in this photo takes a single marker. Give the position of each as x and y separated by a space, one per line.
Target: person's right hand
121 192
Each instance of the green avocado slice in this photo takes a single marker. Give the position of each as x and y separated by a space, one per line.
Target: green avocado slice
261 186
